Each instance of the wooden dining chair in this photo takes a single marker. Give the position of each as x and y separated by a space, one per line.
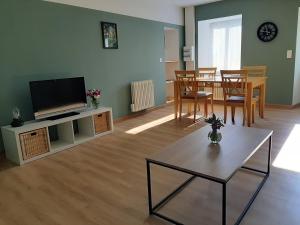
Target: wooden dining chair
234 83
256 71
189 91
207 71
182 74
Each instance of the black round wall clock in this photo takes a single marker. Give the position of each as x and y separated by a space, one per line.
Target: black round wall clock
267 32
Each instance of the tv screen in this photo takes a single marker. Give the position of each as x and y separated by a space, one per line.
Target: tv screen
59 95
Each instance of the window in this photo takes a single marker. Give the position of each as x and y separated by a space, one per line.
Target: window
219 43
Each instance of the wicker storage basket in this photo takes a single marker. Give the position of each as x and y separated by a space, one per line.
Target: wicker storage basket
101 122
34 143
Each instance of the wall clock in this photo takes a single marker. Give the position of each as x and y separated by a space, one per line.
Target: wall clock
267 32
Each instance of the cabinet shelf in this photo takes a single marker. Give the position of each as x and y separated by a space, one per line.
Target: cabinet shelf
59 144
79 138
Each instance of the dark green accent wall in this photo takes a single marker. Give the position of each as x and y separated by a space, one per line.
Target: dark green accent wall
254 52
41 40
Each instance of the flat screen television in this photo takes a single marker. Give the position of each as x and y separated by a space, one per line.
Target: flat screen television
58 96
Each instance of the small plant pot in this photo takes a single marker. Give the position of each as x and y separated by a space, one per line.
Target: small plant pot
215 136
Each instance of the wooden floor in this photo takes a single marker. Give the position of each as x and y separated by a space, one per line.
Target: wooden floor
103 181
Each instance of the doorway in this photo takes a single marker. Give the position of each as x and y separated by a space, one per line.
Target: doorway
171 59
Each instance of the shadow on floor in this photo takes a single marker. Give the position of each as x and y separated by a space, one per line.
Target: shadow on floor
5 164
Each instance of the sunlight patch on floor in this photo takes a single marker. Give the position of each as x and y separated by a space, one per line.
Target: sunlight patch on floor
289 155
151 124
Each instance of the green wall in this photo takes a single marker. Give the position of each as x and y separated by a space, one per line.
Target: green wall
254 52
41 40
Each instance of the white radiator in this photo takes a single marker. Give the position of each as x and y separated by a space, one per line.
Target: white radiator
218 91
142 95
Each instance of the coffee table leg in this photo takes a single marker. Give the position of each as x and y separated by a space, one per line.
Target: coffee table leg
149 188
224 204
269 155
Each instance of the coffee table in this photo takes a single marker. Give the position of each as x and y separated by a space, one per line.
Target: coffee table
190 155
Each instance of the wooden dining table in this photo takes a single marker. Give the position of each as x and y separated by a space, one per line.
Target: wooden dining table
252 83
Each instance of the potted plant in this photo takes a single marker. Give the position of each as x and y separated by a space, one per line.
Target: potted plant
216 124
94 94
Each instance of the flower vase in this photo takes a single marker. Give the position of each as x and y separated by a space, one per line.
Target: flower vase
215 136
95 103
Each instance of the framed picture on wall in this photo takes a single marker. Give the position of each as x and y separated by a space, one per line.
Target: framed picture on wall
109 35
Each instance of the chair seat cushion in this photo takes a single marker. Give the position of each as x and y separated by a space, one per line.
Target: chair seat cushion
200 94
238 99
203 93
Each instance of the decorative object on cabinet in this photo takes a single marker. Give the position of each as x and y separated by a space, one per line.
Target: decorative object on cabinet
94 95
17 118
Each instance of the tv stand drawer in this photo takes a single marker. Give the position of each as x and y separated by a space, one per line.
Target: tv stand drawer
34 143
101 122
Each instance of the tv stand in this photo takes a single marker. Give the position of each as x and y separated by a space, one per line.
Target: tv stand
38 139
60 116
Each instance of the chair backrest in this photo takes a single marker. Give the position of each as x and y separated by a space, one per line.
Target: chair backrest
207 71
185 75
187 87
256 71
234 83
210 71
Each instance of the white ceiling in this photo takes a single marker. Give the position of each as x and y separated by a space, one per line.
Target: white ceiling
183 3
168 11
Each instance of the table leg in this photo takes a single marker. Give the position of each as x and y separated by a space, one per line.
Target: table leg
262 99
269 155
249 102
175 100
149 188
224 204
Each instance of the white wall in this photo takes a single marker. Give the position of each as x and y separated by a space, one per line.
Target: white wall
157 10
204 44
296 90
190 32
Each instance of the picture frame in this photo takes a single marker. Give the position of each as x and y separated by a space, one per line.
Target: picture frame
109 35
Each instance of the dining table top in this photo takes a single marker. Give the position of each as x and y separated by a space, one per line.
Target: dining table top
218 79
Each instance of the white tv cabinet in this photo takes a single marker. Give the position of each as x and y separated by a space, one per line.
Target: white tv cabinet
37 139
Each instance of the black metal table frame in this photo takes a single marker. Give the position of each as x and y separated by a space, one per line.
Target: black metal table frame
153 210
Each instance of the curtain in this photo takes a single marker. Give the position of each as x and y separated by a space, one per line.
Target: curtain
226 44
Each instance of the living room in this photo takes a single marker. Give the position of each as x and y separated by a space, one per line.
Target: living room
115 112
